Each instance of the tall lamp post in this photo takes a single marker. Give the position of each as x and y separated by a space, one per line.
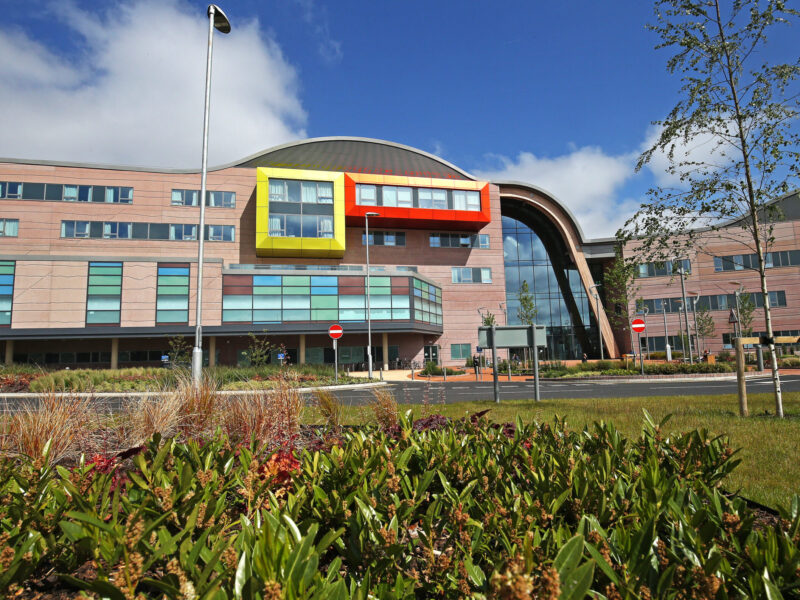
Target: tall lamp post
667 348
369 319
682 273
594 287
216 20
695 296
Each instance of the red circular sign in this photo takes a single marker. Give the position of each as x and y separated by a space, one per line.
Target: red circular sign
637 325
335 331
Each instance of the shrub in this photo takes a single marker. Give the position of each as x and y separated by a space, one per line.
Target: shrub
431 368
330 408
384 408
788 363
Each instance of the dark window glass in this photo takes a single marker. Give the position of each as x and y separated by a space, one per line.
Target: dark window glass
96 229
159 231
84 193
140 231
33 191
54 192
99 193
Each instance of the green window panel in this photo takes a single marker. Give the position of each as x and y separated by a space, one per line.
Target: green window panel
296 291
104 280
237 316
380 302
418 315
379 281
5 317
325 315
102 317
104 290
6 268
172 303
266 302
172 279
173 290
324 302
105 270
237 302
381 291
401 314
266 316
5 302
296 315
352 301
380 313
266 291
303 280
295 302
102 303
172 316
352 314
351 354
400 301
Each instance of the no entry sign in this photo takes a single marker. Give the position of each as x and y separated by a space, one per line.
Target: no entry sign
637 325
335 332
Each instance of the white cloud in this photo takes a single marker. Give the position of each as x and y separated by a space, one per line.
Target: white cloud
134 95
586 180
316 16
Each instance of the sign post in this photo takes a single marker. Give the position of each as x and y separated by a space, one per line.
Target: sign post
638 326
335 332
514 336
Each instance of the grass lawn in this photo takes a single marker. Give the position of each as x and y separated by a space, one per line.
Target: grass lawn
770 448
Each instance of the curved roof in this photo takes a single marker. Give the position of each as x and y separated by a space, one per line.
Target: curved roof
356 155
353 154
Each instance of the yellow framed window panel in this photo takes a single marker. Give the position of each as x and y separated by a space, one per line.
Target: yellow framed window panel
292 245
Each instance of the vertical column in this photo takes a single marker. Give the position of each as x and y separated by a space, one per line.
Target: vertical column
9 352
301 352
385 341
114 353
212 351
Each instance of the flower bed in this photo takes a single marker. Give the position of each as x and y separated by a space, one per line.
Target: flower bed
432 509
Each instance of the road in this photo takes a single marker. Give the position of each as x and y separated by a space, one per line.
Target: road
438 392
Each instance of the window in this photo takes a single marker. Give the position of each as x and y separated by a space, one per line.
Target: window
459 351
6 291
104 293
664 268
9 227
219 233
300 209
172 300
458 240
214 199
472 275
13 190
739 262
384 238
74 229
366 195
182 232
466 200
117 231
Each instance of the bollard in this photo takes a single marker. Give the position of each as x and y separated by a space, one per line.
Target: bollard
412 371
444 373
760 357
740 380
381 371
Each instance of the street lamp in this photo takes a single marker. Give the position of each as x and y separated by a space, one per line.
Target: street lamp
682 273
369 319
594 287
738 324
216 20
667 348
695 296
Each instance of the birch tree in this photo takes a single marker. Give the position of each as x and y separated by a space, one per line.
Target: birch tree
730 142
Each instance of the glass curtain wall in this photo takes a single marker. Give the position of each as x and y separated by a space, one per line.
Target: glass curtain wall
527 259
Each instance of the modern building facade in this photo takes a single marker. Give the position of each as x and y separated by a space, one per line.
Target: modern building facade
98 264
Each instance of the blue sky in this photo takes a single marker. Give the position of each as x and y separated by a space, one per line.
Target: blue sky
560 94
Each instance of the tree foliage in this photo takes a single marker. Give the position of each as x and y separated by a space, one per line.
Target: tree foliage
746 312
705 322
489 319
731 141
621 287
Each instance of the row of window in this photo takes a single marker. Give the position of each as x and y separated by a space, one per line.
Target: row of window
9 227
115 230
458 240
656 343
663 268
304 192
408 197
727 338
56 192
472 274
214 199
384 238
777 298
307 226
739 262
